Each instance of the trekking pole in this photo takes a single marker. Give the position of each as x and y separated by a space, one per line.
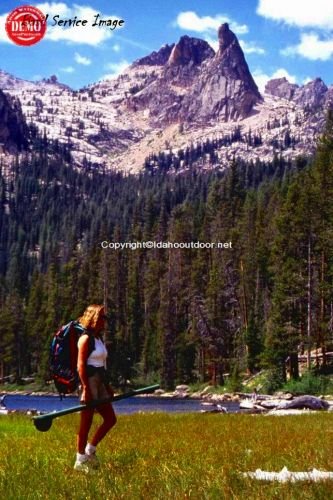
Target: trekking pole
43 422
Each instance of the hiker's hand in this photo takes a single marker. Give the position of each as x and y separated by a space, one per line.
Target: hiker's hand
86 395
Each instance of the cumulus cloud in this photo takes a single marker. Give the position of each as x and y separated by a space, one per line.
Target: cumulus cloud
54 8
3 34
190 21
87 35
115 69
311 47
82 59
302 13
213 42
251 48
262 78
207 26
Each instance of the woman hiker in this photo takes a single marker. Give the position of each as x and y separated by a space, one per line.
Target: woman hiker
91 369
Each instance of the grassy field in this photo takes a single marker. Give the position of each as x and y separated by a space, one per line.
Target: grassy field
162 456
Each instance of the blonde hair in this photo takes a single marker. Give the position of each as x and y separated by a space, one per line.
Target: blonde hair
91 316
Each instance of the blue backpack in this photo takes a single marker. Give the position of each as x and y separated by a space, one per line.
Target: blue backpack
64 354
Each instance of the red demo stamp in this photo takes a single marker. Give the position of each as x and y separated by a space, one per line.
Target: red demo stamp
26 25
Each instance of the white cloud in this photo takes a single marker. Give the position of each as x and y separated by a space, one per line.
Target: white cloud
303 13
88 34
116 47
53 8
213 42
207 26
3 33
190 21
84 35
251 48
115 68
281 72
82 59
78 35
67 69
262 78
311 47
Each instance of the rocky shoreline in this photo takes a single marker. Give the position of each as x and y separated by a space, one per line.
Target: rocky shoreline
277 404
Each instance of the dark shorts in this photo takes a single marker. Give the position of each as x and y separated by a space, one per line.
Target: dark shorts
97 387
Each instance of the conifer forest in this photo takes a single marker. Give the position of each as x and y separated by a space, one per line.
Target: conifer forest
176 315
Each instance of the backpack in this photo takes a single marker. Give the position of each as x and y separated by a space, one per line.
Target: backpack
63 356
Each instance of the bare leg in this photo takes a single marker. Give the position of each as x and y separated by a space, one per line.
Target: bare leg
85 424
109 420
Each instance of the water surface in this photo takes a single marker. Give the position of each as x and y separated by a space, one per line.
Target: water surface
128 406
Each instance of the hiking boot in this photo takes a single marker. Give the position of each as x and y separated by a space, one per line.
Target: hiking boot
82 466
82 463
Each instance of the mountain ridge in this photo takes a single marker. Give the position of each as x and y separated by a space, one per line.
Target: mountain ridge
181 94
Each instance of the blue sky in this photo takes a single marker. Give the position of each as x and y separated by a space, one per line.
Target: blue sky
292 38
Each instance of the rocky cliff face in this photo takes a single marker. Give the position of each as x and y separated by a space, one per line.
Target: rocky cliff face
311 96
225 89
156 58
190 51
162 95
218 86
280 87
13 129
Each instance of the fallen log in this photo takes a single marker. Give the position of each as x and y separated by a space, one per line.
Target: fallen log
270 404
304 402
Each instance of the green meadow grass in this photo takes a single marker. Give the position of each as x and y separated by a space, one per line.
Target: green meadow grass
162 456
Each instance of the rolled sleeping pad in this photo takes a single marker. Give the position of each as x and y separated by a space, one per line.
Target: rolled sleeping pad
43 422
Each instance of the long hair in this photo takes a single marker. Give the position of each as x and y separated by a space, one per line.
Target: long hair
91 315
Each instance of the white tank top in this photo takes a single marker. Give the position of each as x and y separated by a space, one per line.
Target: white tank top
98 356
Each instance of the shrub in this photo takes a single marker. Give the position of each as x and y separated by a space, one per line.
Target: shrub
309 383
272 381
